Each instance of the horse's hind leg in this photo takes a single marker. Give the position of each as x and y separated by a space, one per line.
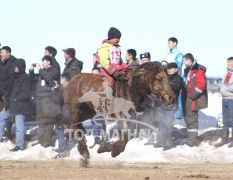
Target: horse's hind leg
82 147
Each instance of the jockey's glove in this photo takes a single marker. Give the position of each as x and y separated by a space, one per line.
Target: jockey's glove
116 74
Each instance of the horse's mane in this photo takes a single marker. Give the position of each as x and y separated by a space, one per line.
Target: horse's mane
133 85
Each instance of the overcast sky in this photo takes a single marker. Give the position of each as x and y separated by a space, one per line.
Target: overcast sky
202 27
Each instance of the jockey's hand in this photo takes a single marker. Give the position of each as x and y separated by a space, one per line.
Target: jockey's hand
116 74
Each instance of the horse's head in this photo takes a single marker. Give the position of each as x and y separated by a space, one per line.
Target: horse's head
156 81
162 89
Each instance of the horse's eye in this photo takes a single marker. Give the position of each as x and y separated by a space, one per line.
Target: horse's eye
159 79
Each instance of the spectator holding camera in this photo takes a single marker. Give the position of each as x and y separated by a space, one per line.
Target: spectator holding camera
145 57
46 111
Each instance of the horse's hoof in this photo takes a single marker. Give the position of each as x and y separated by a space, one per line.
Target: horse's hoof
118 147
84 162
115 153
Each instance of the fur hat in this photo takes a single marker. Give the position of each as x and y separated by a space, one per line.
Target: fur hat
113 33
145 55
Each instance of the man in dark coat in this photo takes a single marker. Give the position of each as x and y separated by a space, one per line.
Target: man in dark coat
46 108
6 80
131 59
52 52
72 66
194 96
165 116
19 101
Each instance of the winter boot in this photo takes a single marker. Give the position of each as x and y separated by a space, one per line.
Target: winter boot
192 139
225 134
168 142
161 138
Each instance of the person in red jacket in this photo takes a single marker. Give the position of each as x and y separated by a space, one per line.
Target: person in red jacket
194 96
109 56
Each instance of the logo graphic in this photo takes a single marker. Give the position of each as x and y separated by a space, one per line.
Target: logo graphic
109 108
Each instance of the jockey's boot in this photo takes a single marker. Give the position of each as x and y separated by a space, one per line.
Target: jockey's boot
192 139
225 134
168 142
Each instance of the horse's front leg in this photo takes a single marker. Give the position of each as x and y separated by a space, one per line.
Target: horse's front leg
119 146
105 146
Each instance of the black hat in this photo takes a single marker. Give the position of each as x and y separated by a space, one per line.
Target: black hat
70 52
114 33
145 55
172 65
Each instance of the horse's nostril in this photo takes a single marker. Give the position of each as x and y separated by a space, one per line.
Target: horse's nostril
162 98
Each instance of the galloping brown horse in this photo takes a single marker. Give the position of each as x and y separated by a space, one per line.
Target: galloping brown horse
133 86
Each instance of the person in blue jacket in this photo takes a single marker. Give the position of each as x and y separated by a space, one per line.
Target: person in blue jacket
176 56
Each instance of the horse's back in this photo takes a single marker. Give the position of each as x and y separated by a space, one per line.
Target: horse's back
79 85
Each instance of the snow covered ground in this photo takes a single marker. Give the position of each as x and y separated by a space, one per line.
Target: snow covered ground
136 152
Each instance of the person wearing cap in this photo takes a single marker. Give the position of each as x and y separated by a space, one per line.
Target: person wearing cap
46 109
72 65
164 116
19 102
176 56
52 52
109 56
226 89
194 96
145 57
7 76
131 59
